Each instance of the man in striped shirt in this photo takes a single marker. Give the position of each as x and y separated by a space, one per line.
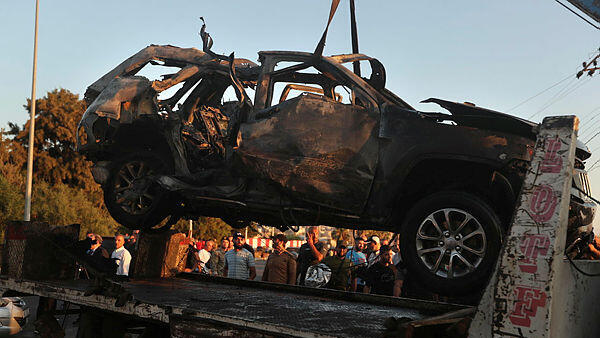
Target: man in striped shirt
239 262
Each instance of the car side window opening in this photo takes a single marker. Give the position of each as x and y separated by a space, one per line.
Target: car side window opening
291 82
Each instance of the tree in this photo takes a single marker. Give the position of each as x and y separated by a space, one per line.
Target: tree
56 158
64 191
206 228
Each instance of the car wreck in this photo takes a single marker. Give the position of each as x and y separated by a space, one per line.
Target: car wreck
315 143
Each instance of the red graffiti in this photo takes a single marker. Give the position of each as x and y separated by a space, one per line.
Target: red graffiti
528 301
552 162
543 203
533 246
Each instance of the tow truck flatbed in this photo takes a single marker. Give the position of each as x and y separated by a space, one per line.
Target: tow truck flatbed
266 308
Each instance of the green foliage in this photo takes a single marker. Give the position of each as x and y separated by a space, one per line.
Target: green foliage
60 204
63 191
11 202
205 228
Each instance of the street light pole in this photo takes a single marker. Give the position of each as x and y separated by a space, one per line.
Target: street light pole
27 215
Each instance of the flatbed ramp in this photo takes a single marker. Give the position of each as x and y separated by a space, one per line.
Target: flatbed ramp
191 306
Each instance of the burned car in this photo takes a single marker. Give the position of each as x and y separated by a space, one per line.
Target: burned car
306 141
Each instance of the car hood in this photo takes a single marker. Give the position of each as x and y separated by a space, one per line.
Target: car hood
472 116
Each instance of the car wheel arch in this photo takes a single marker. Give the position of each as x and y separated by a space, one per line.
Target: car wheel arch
491 184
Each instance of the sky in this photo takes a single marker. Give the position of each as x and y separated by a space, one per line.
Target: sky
496 54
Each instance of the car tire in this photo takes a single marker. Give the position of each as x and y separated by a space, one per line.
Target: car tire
131 197
457 260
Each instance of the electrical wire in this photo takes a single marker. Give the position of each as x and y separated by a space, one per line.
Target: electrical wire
589 134
542 92
593 166
558 93
591 138
589 123
580 16
569 89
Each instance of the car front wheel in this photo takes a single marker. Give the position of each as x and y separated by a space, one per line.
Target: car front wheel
450 241
131 195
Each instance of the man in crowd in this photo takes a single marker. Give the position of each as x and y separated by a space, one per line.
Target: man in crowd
359 260
230 238
131 243
121 256
340 268
310 253
383 278
281 265
98 257
204 256
239 262
373 253
217 258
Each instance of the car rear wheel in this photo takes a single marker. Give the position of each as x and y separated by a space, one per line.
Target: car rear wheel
132 196
450 241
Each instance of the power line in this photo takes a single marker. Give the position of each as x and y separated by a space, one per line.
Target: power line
592 166
561 95
581 17
591 138
589 123
563 89
542 92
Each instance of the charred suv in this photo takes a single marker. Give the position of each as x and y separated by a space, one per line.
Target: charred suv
299 139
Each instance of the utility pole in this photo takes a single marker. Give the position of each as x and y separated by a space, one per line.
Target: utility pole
354 33
27 215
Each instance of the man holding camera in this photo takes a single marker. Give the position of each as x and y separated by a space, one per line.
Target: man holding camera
312 252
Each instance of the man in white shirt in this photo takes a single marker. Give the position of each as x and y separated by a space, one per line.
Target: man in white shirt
374 244
122 256
204 256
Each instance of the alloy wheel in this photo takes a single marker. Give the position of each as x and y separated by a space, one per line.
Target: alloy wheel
134 191
451 242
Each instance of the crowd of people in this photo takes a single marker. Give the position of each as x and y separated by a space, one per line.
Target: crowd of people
370 265
116 263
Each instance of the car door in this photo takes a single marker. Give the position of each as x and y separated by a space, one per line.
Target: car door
316 146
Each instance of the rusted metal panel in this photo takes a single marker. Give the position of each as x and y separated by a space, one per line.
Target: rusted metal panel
160 255
162 53
33 250
319 149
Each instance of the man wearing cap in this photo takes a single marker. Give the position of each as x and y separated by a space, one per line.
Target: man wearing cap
374 245
281 265
340 268
239 262
310 253
383 278
217 258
